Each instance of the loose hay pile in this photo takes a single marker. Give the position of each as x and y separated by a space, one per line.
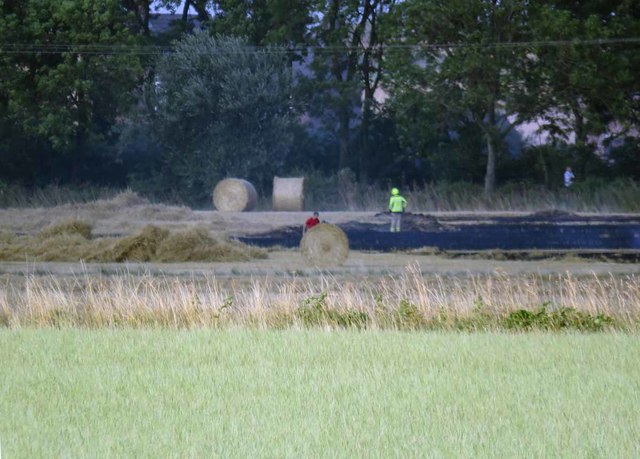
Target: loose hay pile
234 195
196 244
68 227
288 194
72 241
140 247
325 245
63 241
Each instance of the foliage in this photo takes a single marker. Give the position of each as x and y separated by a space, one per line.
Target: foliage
558 319
314 312
218 109
60 94
584 91
279 22
345 71
458 70
411 91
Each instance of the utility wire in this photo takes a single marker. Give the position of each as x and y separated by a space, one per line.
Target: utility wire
119 49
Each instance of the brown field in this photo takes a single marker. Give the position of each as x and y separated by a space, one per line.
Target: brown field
127 214
267 291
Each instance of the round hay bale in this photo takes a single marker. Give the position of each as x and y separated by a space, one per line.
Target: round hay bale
288 194
325 245
234 195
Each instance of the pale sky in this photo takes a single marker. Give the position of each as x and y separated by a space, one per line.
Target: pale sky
178 10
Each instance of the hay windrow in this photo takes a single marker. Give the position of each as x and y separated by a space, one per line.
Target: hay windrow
288 194
152 243
127 198
197 244
118 202
234 195
60 247
6 237
68 227
325 245
140 247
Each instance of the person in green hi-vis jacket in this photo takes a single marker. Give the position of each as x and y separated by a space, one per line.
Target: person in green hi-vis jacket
397 205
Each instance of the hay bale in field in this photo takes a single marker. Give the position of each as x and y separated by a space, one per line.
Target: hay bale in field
288 194
234 195
325 245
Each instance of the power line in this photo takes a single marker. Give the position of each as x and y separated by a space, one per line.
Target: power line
121 49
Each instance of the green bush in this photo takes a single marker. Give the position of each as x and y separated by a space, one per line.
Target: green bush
314 312
559 319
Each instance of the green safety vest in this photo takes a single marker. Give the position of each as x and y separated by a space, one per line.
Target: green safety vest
397 203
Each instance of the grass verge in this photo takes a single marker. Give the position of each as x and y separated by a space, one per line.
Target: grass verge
412 301
239 393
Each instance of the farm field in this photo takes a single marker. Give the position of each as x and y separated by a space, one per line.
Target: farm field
266 288
240 393
399 353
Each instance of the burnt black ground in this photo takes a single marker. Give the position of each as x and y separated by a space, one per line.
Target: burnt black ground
552 230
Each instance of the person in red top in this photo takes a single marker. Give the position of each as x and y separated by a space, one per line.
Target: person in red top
311 222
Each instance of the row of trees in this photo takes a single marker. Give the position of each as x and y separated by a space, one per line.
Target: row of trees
411 90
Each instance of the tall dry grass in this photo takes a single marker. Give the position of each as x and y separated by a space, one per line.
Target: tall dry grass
594 195
342 192
409 301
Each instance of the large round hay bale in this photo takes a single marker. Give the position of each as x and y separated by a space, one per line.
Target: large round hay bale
234 195
325 245
288 194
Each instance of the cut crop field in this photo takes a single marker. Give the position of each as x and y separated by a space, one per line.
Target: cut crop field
124 262
242 393
136 330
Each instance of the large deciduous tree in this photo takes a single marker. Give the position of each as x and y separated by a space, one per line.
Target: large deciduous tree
220 108
586 69
346 64
456 63
66 78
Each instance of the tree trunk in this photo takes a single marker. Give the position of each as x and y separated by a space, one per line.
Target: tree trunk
490 174
185 10
490 132
365 153
143 12
201 8
343 139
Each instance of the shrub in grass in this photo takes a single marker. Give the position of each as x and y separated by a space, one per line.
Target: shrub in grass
562 318
315 312
408 317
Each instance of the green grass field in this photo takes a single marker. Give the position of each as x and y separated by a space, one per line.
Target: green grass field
242 393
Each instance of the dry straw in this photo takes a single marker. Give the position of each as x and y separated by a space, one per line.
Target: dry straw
72 241
234 195
288 194
409 301
325 245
